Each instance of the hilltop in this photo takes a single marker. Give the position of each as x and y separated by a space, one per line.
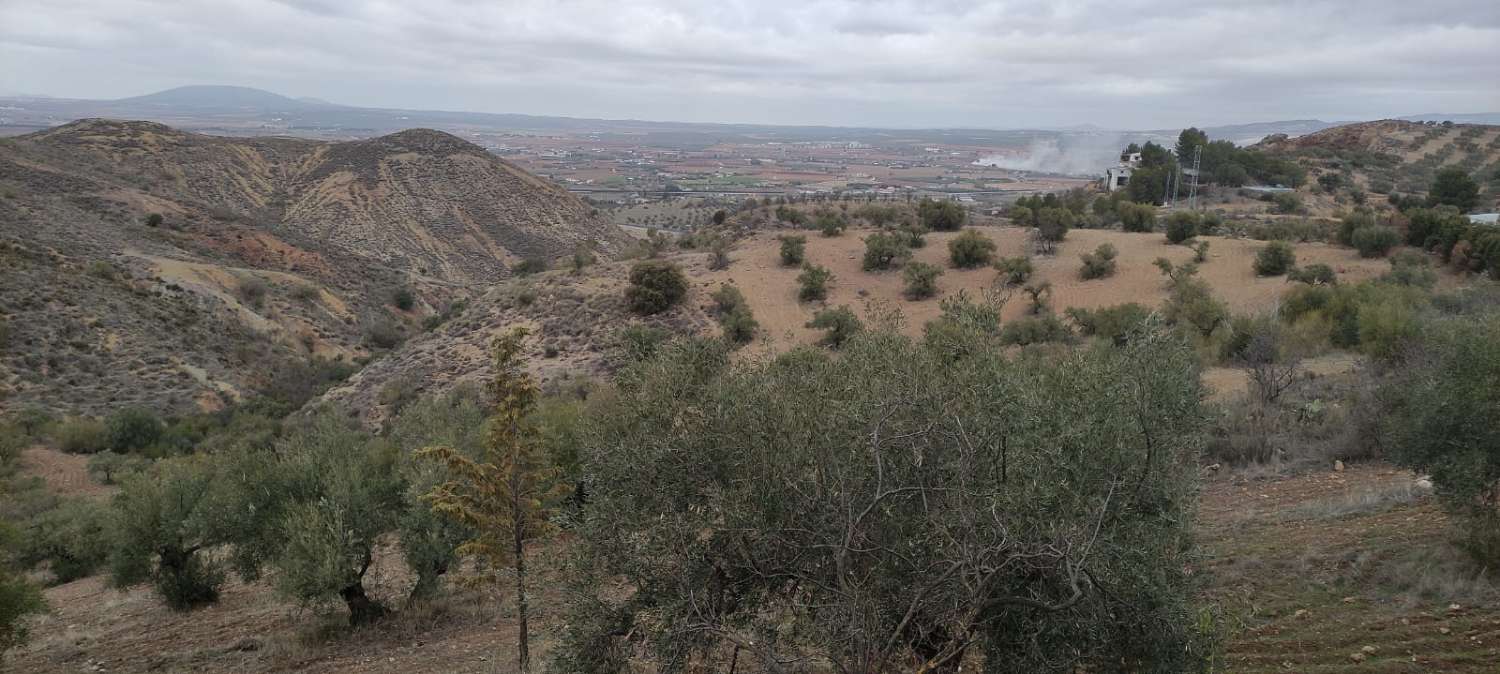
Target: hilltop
151 266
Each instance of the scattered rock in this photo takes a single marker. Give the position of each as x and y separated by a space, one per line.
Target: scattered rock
1358 657
1338 466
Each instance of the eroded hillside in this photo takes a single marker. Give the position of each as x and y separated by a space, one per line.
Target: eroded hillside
149 266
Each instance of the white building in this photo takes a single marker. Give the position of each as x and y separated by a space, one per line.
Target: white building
1118 176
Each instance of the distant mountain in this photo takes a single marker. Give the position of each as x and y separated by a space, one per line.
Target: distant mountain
263 251
224 98
1463 118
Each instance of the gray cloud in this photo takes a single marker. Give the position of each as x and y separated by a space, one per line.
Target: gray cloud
1122 64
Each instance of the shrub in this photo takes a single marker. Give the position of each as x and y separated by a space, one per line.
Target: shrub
111 468
1313 274
583 256
884 250
81 435
1353 221
1114 323
252 290
640 342
153 220
1443 421
739 325
728 298
403 299
921 280
1100 263
983 434
971 249
429 541
1192 305
941 216
19 600
1375 241
813 283
1275 259
1200 252
718 253
73 539
793 249
1181 226
1136 217
529 266
1410 268
165 522
840 323
1052 224
830 224
383 333
1015 270
1029 330
655 286
1286 202
133 429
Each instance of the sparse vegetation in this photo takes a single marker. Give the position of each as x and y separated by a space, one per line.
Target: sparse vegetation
1136 217
1182 226
1275 259
884 251
1375 241
941 216
840 325
793 249
1100 263
1015 270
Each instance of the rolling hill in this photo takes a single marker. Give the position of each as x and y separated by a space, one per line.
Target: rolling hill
150 266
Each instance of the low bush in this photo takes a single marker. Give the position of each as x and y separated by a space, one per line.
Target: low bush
813 283
72 539
739 325
793 249
1052 224
81 435
133 429
1098 264
1375 241
884 250
941 216
1313 274
921 280
840 324
1114 323
1015 270
830 223
971 249
1182 226
1136 217
655 286
1029 330
529 266
1275 259
1410 268
19 600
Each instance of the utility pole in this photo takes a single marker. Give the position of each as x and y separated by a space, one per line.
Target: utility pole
1197 166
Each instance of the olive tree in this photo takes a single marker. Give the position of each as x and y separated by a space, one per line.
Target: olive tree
166 520
890 509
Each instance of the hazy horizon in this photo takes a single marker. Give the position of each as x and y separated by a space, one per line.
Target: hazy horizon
1121 65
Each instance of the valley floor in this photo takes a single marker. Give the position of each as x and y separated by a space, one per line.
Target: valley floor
1324 571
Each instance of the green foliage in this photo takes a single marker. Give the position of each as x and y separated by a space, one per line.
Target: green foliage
1286 202
941 216
1436 229
793 249
111 468
840 323
403 299
854 478
1375 241
1380 319
971 249
813 283
165 522
1200 252
19 600
655 286
735 316
921 280
1098 264
884 250
133 429
1410 268
1114 323
1452 186
81 435
72 539
1353 221
1313 274
1015 270
1192 305
830 223
790 215
1444 420
640 342
153 220
252 290
1135 217
383 333
583 256
1039 329
1182 226
1052 224
1275 259
718 253
530 266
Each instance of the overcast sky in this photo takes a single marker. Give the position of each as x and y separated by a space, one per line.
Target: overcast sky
1118 64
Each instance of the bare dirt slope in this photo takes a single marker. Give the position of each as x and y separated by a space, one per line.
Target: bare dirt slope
267 250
